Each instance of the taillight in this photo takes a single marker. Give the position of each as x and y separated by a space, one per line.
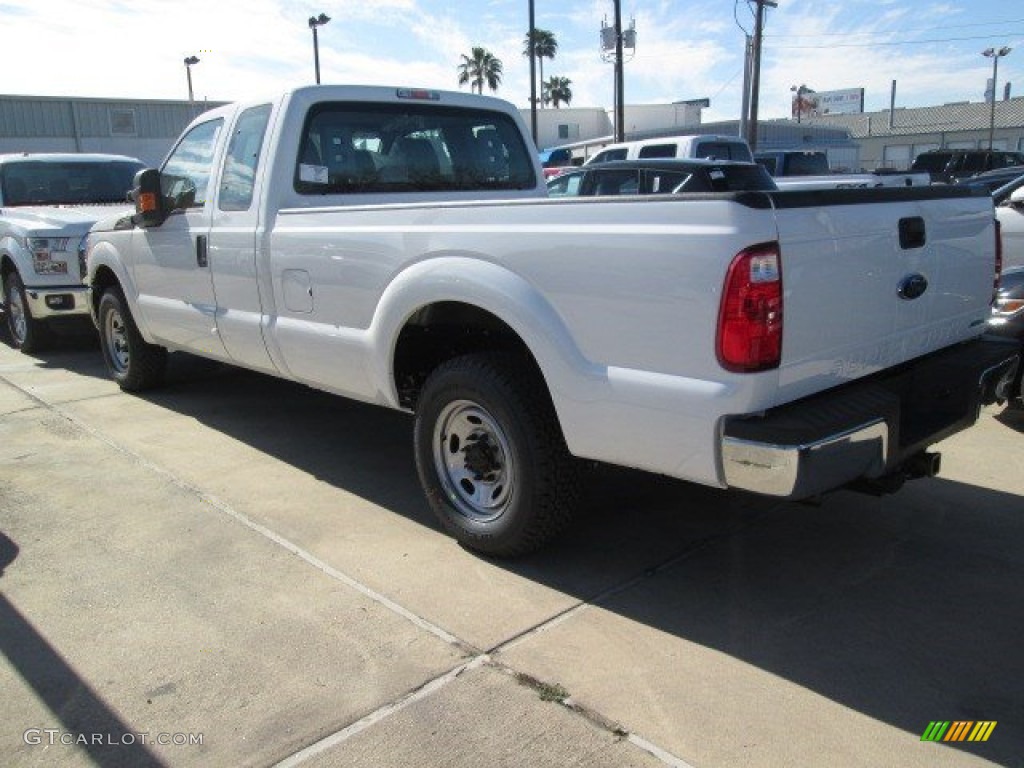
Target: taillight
999 259
750 316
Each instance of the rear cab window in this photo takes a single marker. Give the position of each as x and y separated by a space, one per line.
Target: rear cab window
356 148
608 155
658 150
723 150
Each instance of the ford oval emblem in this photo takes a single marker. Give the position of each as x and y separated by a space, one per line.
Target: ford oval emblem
913 286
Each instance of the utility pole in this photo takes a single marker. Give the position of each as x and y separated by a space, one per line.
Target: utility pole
620 88
745 108
533 76
755 79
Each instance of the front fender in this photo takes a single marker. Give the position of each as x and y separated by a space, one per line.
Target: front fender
104 255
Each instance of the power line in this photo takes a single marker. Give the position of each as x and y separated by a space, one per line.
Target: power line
1004 33
906 31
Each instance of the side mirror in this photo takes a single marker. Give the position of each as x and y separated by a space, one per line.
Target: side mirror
1017 197
149 204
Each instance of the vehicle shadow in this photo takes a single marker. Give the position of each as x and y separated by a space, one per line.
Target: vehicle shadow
1012 417
82 712
908 608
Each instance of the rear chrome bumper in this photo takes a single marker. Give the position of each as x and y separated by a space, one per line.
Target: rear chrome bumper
865 429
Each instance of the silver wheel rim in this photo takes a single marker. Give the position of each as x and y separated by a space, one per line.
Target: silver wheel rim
473 461
116 340
16 310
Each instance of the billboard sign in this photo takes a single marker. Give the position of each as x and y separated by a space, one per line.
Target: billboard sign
808 103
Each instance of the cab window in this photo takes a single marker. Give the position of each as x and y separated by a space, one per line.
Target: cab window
608 155
238 178
658 150
349 148
185 177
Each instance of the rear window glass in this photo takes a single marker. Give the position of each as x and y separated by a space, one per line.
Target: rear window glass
609 155
807 164
727 178
737 178
355 148
723 150
658 150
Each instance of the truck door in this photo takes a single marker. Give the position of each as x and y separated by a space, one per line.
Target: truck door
171 260
235 238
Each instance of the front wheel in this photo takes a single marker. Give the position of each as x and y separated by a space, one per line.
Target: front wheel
27 333
134 363
491 457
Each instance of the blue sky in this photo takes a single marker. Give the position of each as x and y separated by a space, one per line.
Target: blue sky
685 50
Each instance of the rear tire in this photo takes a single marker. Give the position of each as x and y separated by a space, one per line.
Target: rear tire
27 334
491 457
134 363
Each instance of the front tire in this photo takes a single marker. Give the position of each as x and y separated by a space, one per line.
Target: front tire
491 457
134 363
27 334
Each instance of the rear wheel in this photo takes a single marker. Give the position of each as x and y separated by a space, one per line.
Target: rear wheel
27 333
491 457
134 363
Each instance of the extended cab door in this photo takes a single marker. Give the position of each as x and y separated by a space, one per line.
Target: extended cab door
171 261
235 237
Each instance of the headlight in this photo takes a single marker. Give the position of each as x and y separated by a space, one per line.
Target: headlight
42 250
1008 307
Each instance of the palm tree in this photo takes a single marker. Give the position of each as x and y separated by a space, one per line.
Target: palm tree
557 91
545 46
480 67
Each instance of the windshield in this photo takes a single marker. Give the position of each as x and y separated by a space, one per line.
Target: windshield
68 183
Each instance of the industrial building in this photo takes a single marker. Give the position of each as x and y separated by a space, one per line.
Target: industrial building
145 129
893 138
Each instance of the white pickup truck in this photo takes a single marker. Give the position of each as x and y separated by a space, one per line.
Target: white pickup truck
808 169
396 246
48 202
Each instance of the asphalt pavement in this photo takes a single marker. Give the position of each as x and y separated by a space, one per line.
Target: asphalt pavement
236 570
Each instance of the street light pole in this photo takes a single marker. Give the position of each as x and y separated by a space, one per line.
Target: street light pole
995 55
189 61
314 22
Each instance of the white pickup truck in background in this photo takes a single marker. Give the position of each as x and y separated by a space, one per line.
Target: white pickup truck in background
48 202
396 246
809 169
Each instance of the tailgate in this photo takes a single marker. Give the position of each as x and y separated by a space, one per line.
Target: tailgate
876 277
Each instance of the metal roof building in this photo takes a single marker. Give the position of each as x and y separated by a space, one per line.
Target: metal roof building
139 128
894 138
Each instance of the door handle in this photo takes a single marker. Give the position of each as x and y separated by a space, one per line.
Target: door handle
201 258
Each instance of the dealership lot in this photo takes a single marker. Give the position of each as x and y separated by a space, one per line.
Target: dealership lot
247 568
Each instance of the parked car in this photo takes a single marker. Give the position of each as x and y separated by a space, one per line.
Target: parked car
555 161
993 180
1009 202
49 202
651 177
1008 320
947 166
711 146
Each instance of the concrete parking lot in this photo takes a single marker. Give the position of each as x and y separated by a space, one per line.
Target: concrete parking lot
234 570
